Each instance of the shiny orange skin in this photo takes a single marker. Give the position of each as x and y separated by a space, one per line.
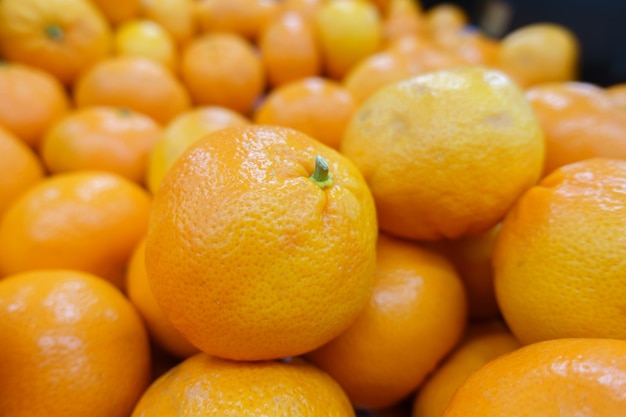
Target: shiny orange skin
62 37
119 11
136 83
558 264
223 69
88 220
415 317
446 153
185 129
206 386
21 168
32 101
580 121
72 345
289 49
472 353
139 293
317 106
251 258
101 138
246 18
564 377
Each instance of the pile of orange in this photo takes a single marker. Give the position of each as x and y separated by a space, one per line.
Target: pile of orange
305 208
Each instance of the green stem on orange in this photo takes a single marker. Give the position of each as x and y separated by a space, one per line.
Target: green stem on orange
54 32
322 177
124 112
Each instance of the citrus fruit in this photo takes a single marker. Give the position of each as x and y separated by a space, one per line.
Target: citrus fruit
446 153
434 395
32 101
348 31
617 94
402 18
134 82
223 69
261 243
21 168
317 106
181 132
142 37
72 345
103 138
84 220
289 50
245 18
558 265
539 53
416 315
62 37
139 293
551 379
207 386
177 17
579 120
118 11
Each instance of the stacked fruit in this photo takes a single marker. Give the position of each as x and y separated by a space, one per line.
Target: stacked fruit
305 208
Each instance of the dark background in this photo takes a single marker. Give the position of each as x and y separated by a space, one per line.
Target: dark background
600 27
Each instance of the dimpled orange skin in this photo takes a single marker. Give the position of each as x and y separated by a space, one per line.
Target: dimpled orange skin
559 264
446 154
71 346
206 386
85 220
563 377
249 257
416 315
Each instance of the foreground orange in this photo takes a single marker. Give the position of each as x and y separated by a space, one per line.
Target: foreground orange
564 377
559 267
72 345
446 153
205 386
261 243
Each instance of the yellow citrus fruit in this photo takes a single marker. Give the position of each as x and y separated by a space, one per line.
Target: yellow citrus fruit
261 243
446 153
142 37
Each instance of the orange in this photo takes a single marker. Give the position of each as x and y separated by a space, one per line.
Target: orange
89 221
261 243
136 83
177 17
181 132
348 31
580 121
445 18
223 69
471 46
617 94
21 168
246 18
425 55
72 345
475 351
554 378
141 37
118 11
446 153
319 107
307 9
211 387
472 258
110 139
415 317
402 18
32 100
62 37
289 49
558 265
540 53
140 294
